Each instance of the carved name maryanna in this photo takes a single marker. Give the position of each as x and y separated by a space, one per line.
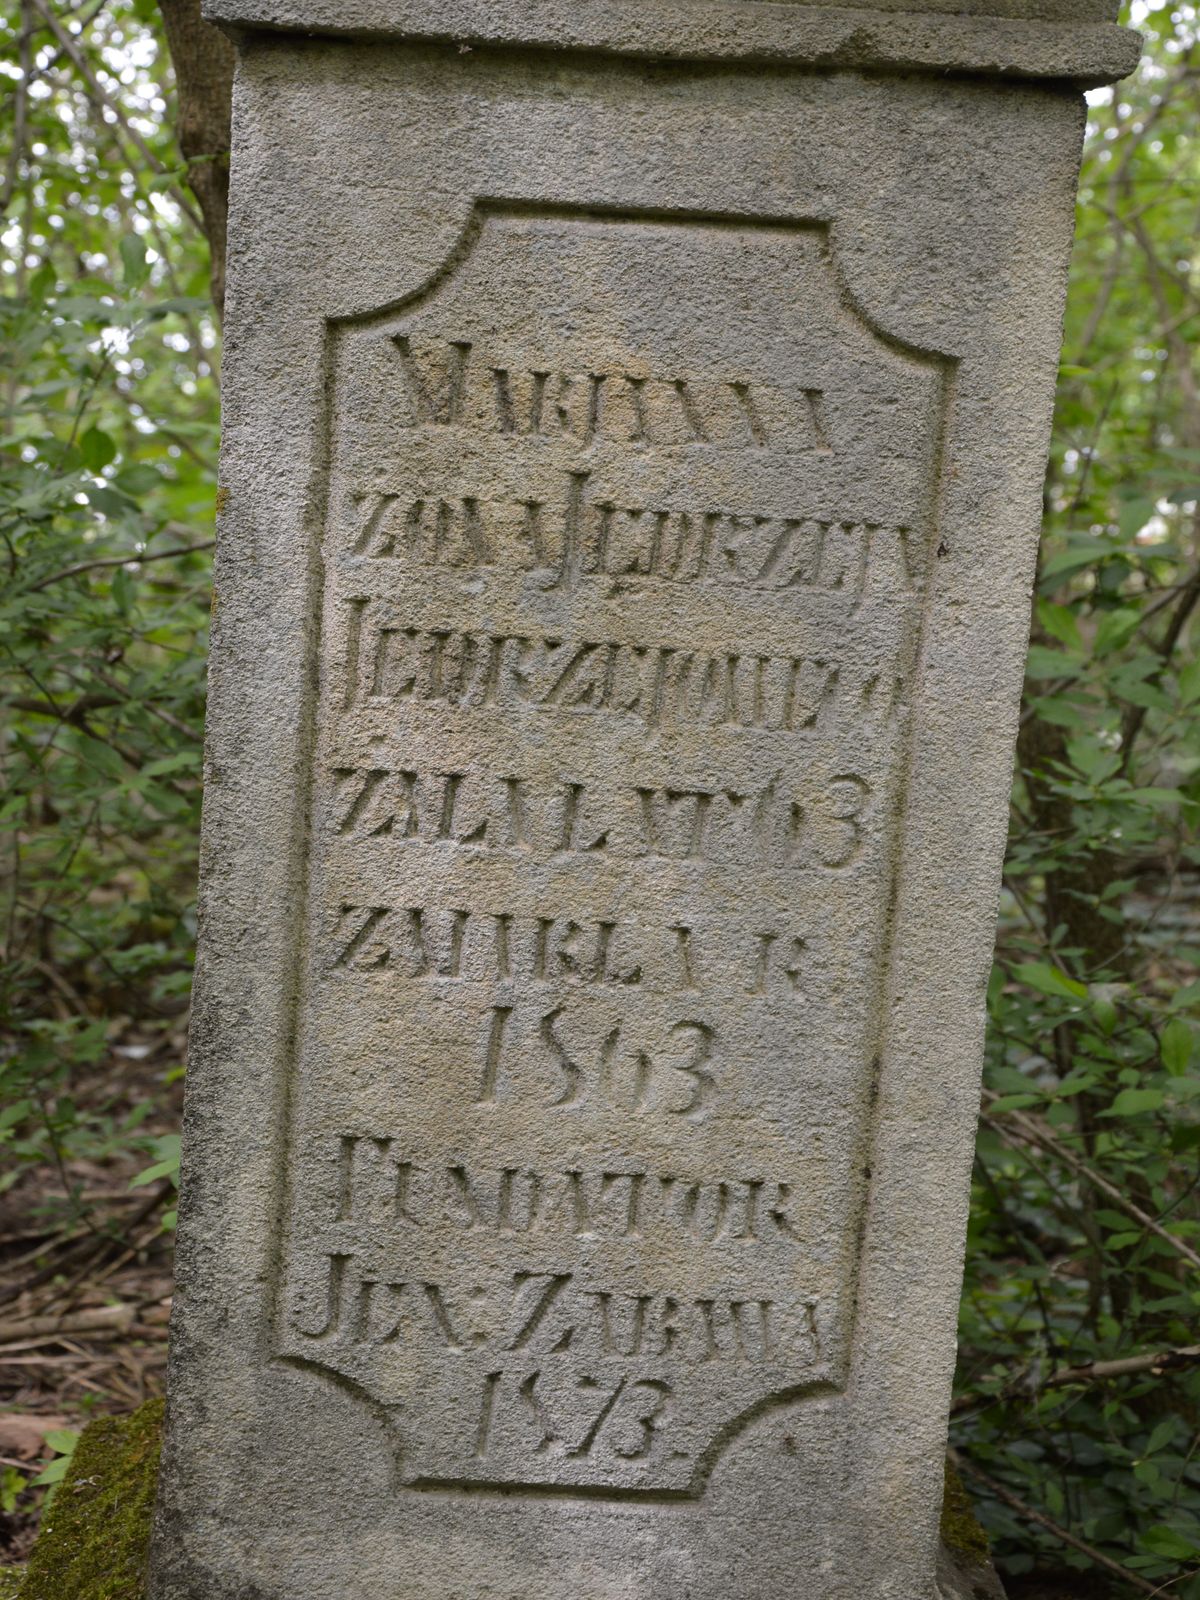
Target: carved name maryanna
449 383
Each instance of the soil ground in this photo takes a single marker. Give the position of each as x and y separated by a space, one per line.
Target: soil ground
85 1280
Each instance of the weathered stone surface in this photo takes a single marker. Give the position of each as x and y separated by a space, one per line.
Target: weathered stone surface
1065 40
633 479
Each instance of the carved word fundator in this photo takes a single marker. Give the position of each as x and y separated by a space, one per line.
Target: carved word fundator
636 413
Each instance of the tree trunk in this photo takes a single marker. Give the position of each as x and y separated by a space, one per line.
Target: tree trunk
203 60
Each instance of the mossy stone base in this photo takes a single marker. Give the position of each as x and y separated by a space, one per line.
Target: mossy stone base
95 1538
965 1570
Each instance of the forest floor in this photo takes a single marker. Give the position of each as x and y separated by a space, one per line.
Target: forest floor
85 1275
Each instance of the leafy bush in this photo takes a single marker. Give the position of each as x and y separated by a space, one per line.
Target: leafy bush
107 459
1085 1229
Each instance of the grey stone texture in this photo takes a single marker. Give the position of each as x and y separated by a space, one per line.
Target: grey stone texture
1064 40
632 477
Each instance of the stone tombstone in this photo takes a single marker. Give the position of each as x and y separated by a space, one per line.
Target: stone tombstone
636 414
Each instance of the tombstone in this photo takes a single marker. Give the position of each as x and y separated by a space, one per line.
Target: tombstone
636 417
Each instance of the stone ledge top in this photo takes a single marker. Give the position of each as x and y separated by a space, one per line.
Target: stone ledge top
1075 41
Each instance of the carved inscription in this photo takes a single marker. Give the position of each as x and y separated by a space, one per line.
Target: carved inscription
626 543
550 1315
582 536
662 686
813 824
452 383
433 945
378 1182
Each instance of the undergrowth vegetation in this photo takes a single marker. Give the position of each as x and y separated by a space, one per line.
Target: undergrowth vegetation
1077 1417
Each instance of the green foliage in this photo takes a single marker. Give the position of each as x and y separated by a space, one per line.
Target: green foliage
62 1441
107 462
1085 1228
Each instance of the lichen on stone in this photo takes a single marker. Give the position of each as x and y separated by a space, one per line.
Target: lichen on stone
95 1538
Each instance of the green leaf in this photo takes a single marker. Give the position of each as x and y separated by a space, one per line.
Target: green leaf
1156 796
1115 629
1015 1102
1134 1102
160 1169
110 501
1165 1541
96 448
1189 995
1061 623
1082 552
63 1442
138 480
1046 979
1044 663
1162 1435
1105 1013
133 259
1135 514
1176 1043
54 1473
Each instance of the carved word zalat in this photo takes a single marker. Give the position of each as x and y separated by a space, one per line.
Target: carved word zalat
391 1193
824 826
580 537
551 1314
660 686
448 384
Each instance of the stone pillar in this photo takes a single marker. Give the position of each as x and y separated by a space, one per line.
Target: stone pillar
635 421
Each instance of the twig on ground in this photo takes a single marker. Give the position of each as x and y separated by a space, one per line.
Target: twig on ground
118 1319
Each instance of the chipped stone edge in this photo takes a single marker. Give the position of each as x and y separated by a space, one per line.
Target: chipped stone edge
822 38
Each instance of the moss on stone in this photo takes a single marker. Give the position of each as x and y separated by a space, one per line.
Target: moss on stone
95 1538
962 1533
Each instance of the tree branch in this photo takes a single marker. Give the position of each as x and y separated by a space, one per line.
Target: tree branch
100 95
1026 1127
203 59
1030 1514
120 561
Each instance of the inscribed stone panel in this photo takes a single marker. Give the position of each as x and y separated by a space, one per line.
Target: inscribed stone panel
627 521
